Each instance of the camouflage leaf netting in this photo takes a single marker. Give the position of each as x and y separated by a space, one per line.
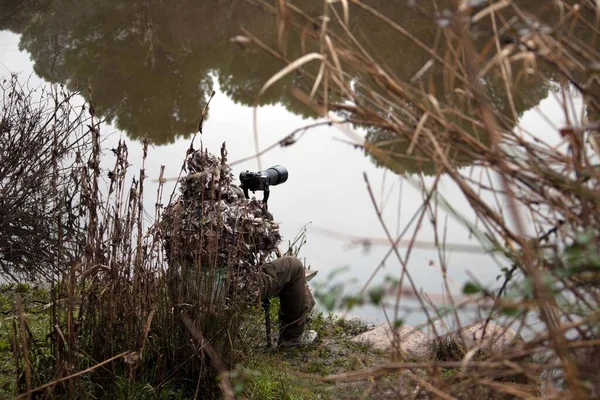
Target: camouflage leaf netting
213 226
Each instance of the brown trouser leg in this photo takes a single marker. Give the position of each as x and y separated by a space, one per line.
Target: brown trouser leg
284 278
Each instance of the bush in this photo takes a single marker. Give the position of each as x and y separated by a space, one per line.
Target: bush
41 138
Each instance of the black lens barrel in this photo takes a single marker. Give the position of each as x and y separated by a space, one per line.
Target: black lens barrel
276 175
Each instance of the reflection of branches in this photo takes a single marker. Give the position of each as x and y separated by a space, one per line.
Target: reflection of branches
149 34
355 240
286 141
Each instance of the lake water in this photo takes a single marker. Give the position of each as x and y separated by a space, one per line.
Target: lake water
152 68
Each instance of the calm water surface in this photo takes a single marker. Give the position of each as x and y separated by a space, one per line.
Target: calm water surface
152 68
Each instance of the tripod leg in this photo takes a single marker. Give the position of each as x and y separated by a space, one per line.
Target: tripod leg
267 305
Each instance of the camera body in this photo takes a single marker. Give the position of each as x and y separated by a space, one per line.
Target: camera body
262 180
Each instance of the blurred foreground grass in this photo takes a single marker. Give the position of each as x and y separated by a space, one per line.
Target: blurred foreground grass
264 374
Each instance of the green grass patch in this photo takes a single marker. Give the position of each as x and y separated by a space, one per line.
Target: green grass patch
294 373
36 313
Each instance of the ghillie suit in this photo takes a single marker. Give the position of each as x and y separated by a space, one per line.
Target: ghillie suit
216 239
216 242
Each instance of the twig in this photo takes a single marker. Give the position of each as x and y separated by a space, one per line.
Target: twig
391 241
201 123
224 382
25 343
66 378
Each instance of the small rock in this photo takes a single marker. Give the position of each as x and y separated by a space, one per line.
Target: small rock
411 341
587 359
457 343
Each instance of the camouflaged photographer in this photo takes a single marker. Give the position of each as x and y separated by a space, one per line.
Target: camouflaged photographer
216 237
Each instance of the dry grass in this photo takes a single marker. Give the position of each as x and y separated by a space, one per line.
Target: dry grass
115 313
462 107
118 319
40 137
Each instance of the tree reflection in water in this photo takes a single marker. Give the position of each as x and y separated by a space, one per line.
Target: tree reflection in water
152 65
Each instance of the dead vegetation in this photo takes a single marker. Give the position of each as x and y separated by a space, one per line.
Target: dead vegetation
535 194
41 142
119 318
116 318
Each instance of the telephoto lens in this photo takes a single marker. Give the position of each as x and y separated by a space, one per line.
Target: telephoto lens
276 175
